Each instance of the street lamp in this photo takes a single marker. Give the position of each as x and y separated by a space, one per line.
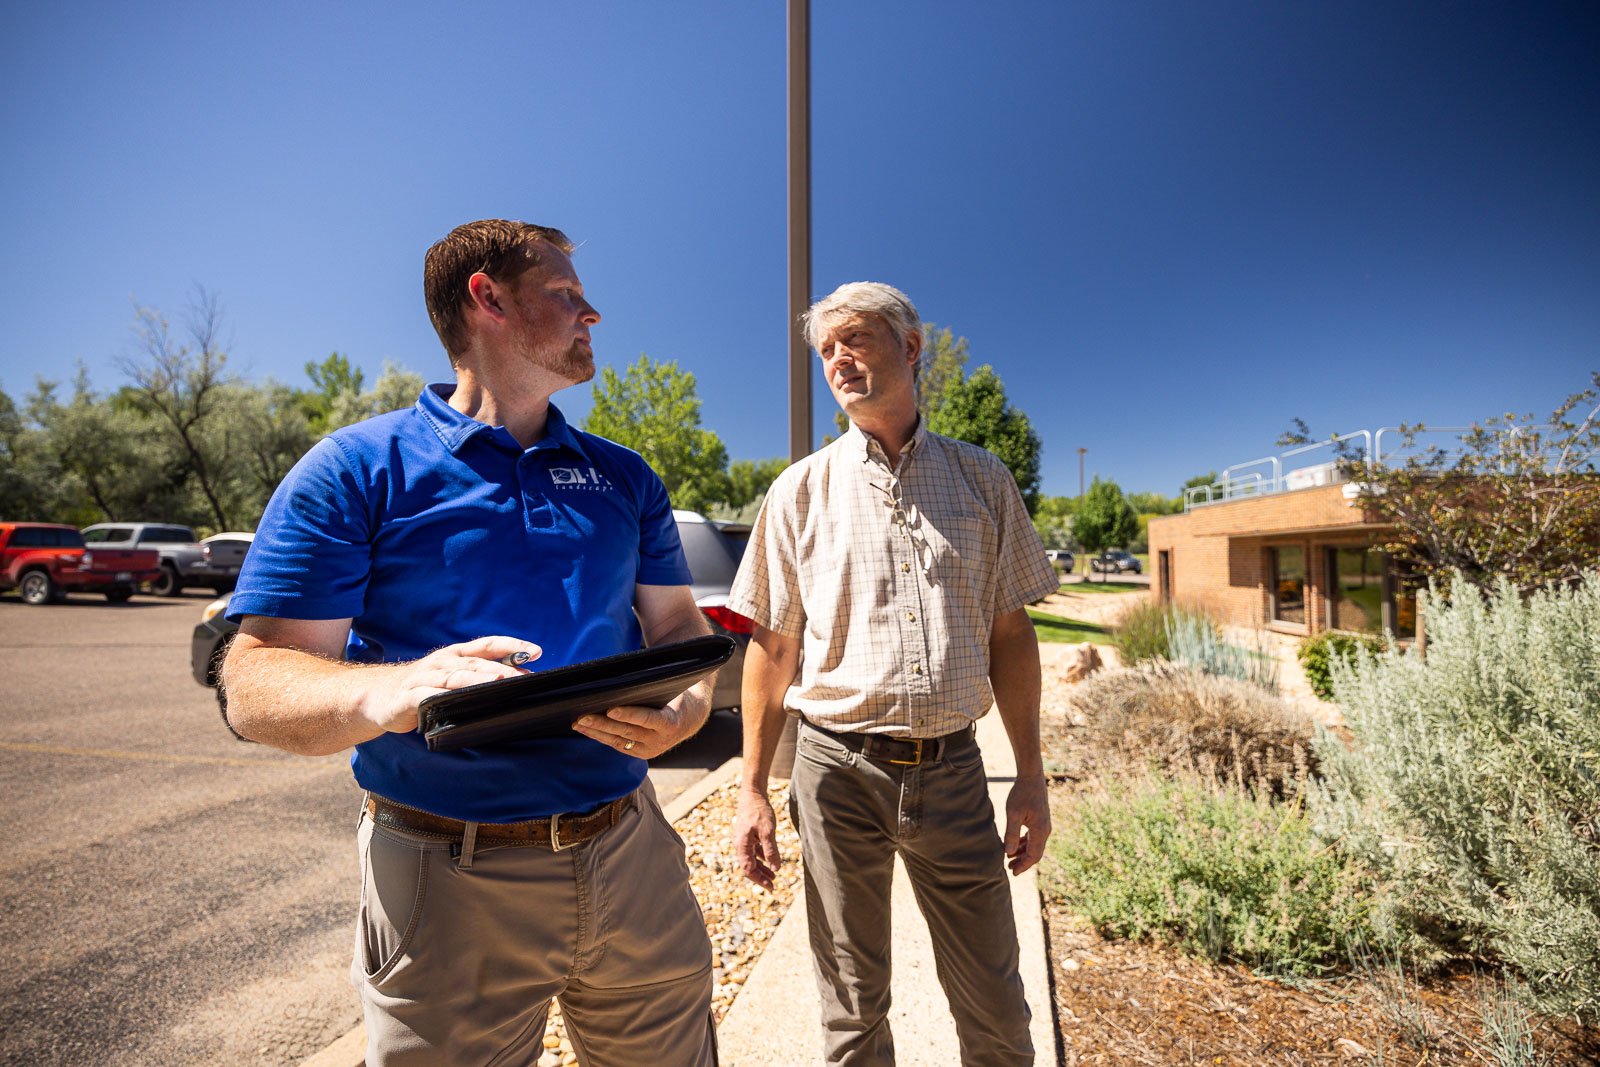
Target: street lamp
1081 451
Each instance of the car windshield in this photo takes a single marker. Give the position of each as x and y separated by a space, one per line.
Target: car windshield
167 535
713 559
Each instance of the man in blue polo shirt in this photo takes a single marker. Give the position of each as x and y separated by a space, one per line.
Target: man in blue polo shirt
409 555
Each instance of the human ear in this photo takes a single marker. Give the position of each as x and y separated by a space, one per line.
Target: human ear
485 295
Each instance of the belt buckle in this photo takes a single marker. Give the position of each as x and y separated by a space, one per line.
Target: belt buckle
555 834
914 761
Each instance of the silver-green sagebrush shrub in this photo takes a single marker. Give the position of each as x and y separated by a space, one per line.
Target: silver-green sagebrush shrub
1473 785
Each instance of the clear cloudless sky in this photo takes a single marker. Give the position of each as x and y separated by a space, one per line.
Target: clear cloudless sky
1171 226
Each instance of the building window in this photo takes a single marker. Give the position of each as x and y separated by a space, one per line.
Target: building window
1401 601
1164 567
1288 587
1355 590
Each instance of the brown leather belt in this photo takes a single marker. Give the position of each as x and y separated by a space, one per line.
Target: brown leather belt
556 832
902 751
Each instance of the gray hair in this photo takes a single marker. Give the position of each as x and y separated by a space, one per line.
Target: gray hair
864 298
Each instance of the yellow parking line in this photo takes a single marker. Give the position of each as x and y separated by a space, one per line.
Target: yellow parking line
160 757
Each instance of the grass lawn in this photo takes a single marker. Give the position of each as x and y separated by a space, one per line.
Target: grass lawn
1069 631
1110 585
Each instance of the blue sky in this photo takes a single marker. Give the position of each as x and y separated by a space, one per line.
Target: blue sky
1171 227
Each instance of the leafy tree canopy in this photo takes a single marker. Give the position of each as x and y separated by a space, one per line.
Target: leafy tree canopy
1053 521
1514 498
653 409
975 409
1104 519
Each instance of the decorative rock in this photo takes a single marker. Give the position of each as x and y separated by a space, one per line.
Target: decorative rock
1085 661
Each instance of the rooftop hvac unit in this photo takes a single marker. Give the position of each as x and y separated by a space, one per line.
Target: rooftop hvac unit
1307 477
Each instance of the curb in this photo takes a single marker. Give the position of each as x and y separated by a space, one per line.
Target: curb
351 1049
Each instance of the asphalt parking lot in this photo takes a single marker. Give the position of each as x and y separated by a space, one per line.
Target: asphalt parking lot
170 895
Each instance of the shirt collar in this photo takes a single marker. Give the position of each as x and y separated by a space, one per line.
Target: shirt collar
866 447
455 429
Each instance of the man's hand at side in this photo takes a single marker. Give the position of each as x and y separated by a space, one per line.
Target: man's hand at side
755 838
1027 823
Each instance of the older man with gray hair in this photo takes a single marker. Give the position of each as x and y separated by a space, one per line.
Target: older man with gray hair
888 576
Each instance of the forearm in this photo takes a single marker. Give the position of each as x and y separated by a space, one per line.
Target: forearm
1014 674
679 619
297 701
769 667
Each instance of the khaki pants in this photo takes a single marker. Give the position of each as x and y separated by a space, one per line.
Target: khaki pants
853 814
456 962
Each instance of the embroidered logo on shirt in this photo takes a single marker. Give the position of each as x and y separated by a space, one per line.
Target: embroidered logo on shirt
580 478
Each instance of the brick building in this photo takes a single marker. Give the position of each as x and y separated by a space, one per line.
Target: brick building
1292 560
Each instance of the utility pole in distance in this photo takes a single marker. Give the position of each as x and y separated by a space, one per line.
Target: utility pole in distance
799 226
1081 451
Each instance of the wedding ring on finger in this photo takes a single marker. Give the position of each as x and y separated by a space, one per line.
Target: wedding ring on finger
629 746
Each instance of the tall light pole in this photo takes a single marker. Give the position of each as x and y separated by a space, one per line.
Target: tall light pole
1081 451
799 226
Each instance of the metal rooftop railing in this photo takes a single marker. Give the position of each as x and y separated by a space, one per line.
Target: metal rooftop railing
1288 471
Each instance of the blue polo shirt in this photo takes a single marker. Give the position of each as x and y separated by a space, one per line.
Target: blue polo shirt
427 528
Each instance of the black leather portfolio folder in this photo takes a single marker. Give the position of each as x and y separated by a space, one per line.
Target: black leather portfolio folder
546 703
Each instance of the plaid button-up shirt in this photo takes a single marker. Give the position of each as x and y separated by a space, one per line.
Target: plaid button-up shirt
891 579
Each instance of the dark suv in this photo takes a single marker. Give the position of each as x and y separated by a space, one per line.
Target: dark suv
1116 561
713 554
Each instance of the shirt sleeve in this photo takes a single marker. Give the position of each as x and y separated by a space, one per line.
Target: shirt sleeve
661 559
767 588
1025 572
312 553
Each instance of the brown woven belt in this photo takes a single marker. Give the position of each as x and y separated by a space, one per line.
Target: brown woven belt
904 751
556 832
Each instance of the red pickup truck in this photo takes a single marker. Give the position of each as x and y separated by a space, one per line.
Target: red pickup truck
45 561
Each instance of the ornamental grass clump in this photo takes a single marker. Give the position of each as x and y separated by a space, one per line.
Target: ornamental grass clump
1197 642
1473 787
1222 872
1182 719
1142 633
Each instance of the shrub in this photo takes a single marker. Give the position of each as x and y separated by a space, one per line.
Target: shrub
1221 872
1474 785
1316 655
1198 642
1183 719
1141 634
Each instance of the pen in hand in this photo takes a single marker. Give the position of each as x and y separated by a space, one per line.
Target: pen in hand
516 659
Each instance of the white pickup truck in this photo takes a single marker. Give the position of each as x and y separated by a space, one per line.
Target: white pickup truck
185 560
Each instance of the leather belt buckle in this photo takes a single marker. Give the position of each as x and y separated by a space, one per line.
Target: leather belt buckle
917 741
555 835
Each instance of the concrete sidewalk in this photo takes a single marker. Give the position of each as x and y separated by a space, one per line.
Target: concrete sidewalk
776 1022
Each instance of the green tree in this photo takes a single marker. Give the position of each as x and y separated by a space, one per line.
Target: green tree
1104 520
653 410
1053 520
335 396
183 388
1155 503
748 480
943 360
975 409
1515 498
113 463
395 389
1208 478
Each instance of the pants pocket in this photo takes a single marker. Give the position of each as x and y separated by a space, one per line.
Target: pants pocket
394 884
